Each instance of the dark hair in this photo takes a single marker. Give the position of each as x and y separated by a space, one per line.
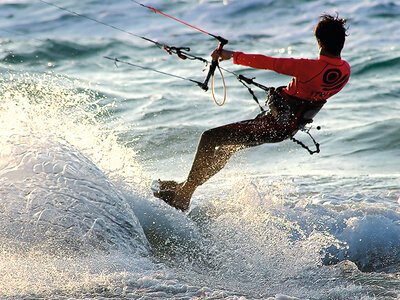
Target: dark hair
331 31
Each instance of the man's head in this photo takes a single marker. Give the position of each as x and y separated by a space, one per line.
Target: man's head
331 33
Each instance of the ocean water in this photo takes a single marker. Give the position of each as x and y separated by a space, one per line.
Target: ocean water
81 139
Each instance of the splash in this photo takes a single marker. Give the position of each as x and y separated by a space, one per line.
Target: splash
251 245
262 237
55 106
59 201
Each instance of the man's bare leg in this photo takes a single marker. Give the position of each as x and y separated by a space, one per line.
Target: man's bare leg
216 147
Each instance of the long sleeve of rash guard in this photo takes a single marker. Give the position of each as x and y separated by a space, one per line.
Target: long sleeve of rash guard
286 66
313 79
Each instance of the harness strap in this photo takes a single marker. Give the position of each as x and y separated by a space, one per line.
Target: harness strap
242 81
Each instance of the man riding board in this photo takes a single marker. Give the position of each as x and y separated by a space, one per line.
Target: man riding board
290 107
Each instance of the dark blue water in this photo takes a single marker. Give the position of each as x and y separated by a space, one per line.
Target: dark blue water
81 138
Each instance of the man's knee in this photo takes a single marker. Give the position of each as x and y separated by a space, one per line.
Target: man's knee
210 136
208 141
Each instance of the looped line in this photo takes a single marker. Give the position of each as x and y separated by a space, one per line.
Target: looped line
213 91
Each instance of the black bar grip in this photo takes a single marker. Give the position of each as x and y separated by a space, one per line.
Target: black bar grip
211 71
214 64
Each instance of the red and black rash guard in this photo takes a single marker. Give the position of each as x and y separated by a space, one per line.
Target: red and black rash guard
313 79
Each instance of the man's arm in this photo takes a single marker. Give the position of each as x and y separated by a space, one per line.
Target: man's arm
286 66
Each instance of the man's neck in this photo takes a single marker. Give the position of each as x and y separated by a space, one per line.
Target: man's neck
326 53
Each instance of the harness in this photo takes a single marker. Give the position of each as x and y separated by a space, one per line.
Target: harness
288 109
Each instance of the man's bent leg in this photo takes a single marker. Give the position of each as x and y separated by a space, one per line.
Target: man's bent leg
217 146
210 158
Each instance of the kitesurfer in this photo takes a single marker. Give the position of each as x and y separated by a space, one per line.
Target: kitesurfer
290 107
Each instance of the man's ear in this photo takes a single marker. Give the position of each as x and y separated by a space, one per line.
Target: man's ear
320 44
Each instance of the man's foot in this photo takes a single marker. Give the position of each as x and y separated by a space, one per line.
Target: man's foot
172 193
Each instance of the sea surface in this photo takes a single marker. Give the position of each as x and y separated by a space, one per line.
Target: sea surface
82 137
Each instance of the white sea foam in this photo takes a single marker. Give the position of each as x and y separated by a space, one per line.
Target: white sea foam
74 211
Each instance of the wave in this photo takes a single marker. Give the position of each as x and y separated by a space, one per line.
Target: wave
256 234
375 64
56 200
383 9
54 197
373 138
367 232
57 51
